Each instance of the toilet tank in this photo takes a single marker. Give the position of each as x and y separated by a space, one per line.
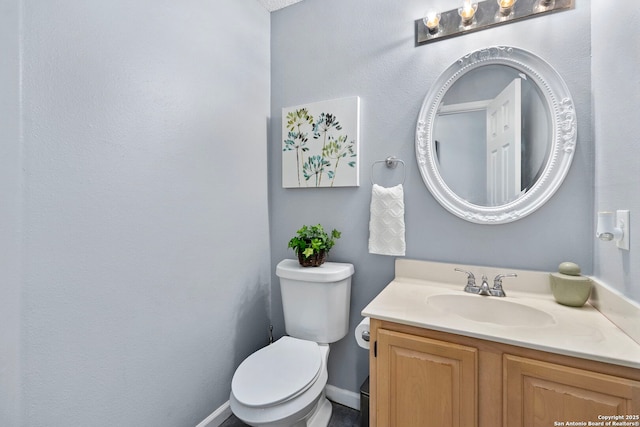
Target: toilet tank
315 300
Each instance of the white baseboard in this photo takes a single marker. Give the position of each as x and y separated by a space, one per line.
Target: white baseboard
217 417
343 397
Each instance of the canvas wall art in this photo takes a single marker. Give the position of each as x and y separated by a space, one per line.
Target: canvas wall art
320 144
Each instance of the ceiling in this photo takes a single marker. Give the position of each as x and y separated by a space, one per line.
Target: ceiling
272 5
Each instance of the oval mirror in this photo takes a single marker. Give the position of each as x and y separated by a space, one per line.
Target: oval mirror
496 135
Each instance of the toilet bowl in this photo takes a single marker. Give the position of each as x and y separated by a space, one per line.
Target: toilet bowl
282 385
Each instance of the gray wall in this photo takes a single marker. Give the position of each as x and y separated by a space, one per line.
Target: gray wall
145 239
616 91
325 49
10 210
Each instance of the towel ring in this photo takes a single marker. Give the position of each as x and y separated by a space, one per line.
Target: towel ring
392 163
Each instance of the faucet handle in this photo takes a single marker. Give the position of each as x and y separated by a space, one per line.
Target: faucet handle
471 279
497 282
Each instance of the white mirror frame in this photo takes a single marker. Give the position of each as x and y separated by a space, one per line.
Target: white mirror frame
563 126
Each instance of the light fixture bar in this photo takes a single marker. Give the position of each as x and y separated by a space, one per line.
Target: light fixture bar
486 16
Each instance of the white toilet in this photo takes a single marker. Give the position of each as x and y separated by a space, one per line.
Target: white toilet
282 385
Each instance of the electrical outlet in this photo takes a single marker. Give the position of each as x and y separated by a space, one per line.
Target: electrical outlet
622 221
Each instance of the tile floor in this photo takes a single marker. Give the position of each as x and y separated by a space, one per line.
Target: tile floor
341 417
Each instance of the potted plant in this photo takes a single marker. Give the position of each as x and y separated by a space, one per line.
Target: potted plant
312 244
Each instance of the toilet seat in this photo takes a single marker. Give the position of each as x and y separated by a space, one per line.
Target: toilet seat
277 373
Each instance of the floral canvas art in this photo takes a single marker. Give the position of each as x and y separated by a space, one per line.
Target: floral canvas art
320 144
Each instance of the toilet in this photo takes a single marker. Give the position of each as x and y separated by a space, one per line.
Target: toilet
282 385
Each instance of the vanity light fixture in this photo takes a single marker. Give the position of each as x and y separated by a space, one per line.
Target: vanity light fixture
614 226
480 15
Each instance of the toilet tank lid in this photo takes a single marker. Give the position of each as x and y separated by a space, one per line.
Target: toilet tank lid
327 272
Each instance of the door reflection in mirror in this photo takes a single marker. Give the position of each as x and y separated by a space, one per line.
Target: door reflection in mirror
493 135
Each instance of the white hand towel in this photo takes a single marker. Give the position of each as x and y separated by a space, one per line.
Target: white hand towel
386 226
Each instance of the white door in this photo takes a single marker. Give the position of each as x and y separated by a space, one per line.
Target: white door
503 146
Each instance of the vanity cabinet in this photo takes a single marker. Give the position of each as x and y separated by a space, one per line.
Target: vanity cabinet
424 382
538 393
426 378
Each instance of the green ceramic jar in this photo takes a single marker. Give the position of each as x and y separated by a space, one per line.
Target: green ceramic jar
569 287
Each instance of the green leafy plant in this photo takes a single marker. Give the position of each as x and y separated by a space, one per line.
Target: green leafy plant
313 242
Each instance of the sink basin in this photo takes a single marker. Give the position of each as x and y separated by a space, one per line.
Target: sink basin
491 310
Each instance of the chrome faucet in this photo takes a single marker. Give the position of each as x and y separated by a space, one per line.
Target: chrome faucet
484 289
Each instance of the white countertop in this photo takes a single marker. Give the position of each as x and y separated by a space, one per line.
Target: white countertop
580 332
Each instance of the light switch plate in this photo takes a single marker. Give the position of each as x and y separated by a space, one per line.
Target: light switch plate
622 221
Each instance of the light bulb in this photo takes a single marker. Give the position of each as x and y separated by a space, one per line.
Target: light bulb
467 12
506 6
432 22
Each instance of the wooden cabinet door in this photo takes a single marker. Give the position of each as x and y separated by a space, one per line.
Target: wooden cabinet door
539 394
423 382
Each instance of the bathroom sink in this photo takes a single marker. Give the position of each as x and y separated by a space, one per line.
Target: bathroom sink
491 310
